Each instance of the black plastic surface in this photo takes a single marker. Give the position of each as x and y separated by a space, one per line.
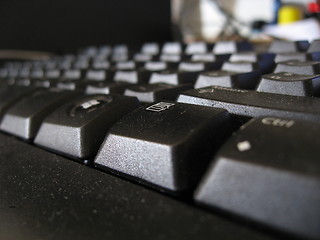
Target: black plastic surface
45 196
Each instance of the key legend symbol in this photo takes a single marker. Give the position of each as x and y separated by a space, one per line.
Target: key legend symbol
90 104
159 107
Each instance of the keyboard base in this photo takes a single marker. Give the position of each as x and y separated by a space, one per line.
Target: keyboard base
46 196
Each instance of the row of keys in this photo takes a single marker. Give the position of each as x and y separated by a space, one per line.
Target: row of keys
169 146
221 47
291 78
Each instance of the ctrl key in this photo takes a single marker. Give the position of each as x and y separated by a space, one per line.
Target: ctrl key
269 173
77 128
164 145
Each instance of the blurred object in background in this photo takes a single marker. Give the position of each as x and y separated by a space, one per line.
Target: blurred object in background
213 20
289 14
307 29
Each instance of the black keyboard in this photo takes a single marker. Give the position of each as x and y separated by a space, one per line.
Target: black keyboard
172 140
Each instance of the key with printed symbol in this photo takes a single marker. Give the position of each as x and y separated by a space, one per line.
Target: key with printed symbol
77 128
230 79
262 160
156 92
165 145
291 84
246 103
24 118
298 67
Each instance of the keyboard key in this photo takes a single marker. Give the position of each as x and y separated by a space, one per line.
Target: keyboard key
96 75
120 49
155 92
298 56
279 46
126 76
240 66
71 84
128 65
37 73
25 82
104 50
156 66
174 77
251 57
106 87
172 48
246 103
314 46
203 57
291 84
77 128
225 47
138 57
10 95
81 64
196 47
164 144
265 62
101 64
24 72
189 66
53 74
223 78
26 116
72 74
261 172
150 48
298 67
45 83
170 58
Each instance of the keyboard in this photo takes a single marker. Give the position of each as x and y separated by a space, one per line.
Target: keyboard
158 141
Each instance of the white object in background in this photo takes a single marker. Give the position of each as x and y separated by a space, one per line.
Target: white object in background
248 11
212 19
308 29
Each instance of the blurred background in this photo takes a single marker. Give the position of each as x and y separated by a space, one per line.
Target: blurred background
66 25
259 20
